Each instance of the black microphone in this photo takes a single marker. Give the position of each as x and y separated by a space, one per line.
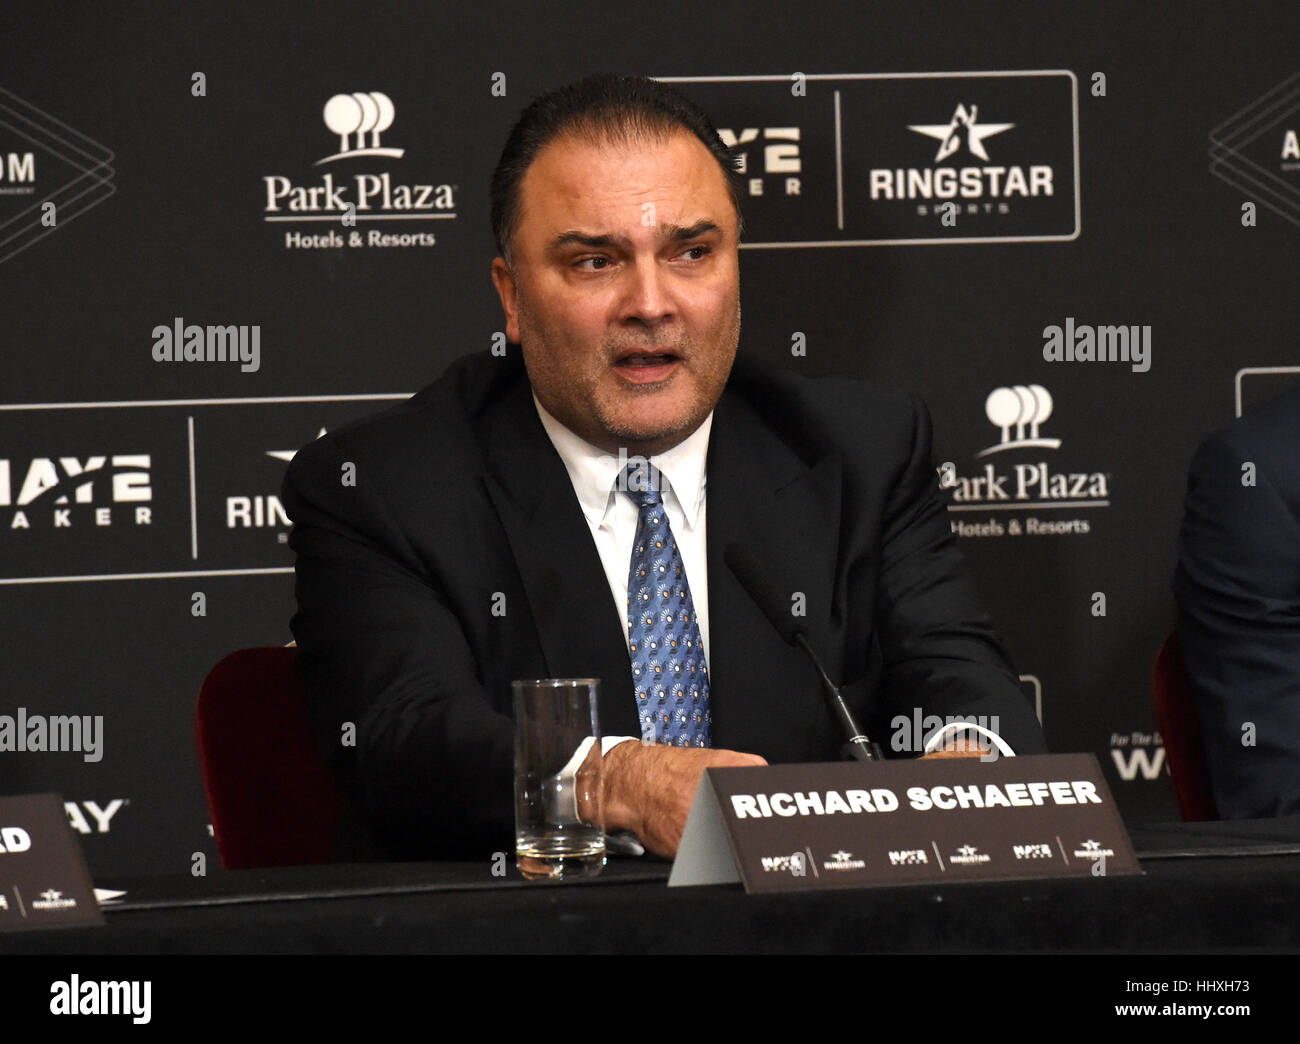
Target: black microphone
755 579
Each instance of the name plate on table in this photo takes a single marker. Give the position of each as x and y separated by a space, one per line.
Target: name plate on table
44 882
781 828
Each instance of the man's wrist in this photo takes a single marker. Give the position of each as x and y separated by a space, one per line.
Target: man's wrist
621 772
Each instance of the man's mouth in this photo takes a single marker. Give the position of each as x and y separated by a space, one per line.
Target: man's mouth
645 367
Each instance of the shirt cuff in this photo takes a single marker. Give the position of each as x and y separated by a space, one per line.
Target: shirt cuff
569 811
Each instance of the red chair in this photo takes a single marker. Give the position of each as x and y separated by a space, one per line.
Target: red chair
1181 729
272 798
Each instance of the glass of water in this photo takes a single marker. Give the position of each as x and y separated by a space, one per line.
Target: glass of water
559 820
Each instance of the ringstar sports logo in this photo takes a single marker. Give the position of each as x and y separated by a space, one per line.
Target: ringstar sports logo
262 510
1020 481
354 196
1000 183
288 455
867 159
843 860
52 899
968 855
961 129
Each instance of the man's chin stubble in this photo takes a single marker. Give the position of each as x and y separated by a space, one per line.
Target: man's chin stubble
641 434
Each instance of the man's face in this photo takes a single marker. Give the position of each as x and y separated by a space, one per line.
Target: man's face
625 288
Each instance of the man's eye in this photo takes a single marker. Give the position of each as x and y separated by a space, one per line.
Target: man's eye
701 251
597 263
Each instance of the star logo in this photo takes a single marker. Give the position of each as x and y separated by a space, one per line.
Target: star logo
841 856
287 455
50 895
967 850
1092 846
962 124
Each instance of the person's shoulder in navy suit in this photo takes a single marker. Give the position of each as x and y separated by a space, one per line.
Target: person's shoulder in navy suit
1238 589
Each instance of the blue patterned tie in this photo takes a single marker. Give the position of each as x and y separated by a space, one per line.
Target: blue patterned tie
669 672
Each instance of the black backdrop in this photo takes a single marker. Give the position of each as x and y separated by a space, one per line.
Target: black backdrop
160 195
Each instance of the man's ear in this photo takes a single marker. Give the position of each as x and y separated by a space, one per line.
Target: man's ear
503 279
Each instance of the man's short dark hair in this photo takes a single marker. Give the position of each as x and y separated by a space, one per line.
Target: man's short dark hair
598 110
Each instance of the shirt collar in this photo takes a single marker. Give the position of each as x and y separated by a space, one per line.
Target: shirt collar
593 471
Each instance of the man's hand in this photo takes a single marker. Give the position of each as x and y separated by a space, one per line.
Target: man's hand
963 745
953 752
649 789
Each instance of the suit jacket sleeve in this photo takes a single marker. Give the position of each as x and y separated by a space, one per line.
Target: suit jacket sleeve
939 650
1238 590
380 648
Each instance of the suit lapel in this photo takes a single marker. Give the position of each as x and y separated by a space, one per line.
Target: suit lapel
568 594
764 695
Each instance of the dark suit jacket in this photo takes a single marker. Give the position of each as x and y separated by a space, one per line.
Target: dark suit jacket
1238 591
460 499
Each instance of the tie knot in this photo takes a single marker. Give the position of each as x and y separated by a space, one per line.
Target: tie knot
641 481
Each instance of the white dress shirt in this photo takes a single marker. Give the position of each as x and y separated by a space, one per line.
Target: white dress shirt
612 518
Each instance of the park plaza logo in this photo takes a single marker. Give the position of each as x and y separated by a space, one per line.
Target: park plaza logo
991 183
1017 413
346 196
69 491
1019 470
365 113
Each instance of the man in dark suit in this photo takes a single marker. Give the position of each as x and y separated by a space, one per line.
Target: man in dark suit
1238 590
459 541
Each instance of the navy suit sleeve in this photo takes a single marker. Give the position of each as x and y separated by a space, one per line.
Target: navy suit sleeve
380 648
939 649
1238 589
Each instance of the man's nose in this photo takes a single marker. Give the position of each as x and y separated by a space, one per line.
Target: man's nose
647 295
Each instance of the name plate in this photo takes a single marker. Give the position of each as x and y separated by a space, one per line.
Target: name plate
781 828
44 882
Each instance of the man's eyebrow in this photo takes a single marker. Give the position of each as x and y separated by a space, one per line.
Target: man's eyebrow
678 233
583 239
700 228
